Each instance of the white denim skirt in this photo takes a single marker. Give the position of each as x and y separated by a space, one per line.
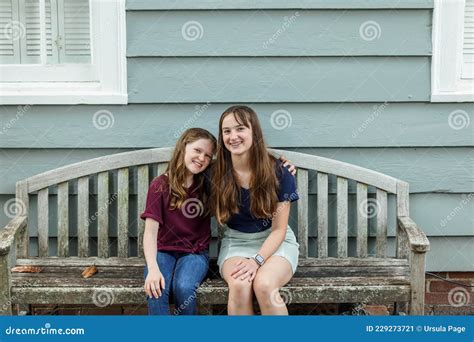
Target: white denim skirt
235 243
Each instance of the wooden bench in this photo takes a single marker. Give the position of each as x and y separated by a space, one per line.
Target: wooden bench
88 214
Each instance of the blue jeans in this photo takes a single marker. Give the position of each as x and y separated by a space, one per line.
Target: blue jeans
184 272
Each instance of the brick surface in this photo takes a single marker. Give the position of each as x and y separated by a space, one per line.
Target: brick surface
442 286
461 275
376 310
442 298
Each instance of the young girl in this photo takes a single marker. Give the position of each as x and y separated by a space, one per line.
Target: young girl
177 227
252 192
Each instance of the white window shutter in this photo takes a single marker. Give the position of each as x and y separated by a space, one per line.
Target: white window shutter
31 45
11 32
74 31
468 42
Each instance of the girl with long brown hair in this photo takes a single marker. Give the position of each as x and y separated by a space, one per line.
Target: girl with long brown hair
252 192
177 227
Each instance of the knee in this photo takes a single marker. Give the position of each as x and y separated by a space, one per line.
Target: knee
184 288
264 287
240 289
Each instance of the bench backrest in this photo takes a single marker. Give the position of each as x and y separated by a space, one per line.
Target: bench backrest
96 206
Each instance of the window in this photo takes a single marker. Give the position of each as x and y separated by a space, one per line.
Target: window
453 50
62 52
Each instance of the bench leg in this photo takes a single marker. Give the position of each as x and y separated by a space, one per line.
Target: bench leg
417 276
5 286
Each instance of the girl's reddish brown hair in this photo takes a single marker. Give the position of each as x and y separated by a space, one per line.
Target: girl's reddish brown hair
177 170
263 180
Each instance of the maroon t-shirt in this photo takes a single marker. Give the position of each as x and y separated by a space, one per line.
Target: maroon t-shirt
182 230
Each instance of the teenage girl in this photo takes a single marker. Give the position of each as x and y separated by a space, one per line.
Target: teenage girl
177 227
251 198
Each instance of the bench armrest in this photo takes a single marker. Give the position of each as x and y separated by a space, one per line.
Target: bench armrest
417 239
10 232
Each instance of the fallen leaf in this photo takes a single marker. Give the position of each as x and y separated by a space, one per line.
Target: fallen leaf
89 271
26 269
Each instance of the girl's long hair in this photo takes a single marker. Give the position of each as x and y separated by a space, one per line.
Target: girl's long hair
176 170
263 180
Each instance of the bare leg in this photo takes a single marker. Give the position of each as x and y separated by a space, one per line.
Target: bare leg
275 273
240 300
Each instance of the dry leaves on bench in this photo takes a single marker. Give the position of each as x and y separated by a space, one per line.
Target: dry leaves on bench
26 269
89 271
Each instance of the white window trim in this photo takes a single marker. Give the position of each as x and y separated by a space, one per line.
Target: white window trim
108 84
447 83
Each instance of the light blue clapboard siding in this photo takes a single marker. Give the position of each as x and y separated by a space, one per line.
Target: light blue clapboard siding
279 33
449 169
272 4
361 101
278 79
312 125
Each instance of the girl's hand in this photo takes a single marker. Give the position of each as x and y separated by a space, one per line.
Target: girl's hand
154 283
287 163
244 269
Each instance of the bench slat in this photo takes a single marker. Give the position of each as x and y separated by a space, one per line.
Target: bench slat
135 295
381 239
103 215
362 223
134 261
143 183
83 216
63 219
43 224
342 198
162 168
305 293
114 279
322 211
122 208
302 181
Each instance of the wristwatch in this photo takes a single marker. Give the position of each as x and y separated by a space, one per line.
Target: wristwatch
259 259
